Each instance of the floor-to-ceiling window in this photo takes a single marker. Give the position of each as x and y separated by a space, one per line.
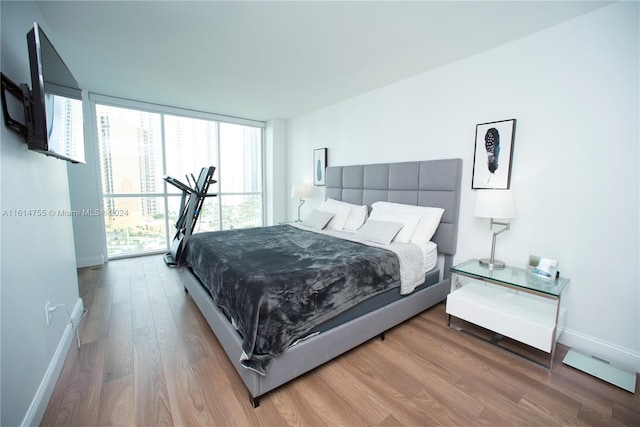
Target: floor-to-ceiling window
139 145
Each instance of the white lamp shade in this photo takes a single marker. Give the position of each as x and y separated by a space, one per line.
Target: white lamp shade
301 191
495 204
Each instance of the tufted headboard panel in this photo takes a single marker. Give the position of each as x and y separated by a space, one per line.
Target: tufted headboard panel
425 183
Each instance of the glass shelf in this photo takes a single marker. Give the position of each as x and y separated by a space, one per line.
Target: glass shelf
513 277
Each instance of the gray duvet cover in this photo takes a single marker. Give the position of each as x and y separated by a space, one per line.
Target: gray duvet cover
276 283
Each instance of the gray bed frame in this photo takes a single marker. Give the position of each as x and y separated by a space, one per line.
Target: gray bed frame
425 183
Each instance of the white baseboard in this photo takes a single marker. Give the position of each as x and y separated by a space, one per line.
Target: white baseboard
618 356
36 410
89 261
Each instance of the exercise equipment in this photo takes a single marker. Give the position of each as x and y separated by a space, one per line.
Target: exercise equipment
190 207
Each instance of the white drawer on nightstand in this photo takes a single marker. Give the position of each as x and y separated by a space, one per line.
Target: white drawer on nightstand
522 317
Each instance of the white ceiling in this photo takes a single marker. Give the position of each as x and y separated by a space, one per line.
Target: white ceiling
268 60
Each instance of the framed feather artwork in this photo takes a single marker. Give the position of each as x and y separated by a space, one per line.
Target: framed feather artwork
493 155
319 165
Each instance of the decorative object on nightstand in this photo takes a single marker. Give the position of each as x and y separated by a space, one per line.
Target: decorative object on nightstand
301 191
495 204
543 267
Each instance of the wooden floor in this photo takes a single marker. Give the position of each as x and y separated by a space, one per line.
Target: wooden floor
148 358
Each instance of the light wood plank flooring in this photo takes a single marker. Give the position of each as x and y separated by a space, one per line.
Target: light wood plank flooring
148 358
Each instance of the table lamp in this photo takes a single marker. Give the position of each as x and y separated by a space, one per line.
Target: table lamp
495 204
301 191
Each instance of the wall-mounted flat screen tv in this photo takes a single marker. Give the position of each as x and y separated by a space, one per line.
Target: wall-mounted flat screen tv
57 125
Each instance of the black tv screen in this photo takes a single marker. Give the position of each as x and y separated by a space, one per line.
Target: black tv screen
57 127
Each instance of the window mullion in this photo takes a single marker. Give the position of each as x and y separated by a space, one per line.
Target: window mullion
218 155
168 226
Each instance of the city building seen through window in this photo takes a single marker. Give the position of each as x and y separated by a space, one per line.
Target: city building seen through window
137 148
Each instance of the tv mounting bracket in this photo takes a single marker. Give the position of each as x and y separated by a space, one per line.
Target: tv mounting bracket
23 94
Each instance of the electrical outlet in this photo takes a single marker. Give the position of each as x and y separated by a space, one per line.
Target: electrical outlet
47 312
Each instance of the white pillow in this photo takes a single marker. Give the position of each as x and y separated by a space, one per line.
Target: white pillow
341 214
409 222
429 219
381 232
357 215
317 219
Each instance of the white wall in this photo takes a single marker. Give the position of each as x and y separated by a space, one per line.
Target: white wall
574 91
37 254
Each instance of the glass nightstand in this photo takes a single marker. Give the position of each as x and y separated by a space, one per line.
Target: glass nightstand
508 303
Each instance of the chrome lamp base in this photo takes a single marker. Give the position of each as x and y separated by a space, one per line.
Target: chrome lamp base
299 206
492 265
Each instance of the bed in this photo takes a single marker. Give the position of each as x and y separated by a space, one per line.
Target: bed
432 183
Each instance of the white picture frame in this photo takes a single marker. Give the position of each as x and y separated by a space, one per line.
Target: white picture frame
319 166
493 154
542 267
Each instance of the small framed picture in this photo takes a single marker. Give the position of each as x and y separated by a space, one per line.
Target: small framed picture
543 267
319 165
493 155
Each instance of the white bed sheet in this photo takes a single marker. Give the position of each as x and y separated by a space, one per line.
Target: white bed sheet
430 253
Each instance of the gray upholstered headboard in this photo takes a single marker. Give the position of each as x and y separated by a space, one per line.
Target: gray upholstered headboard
426 183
